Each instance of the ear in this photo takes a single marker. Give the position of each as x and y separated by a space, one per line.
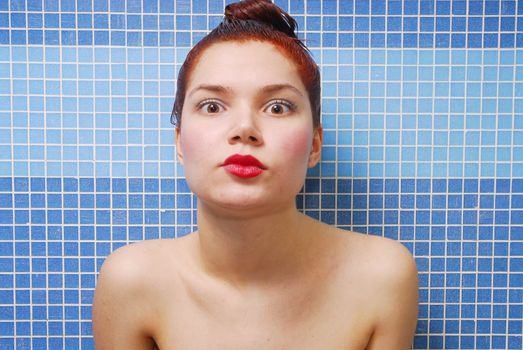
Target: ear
317 141
179 153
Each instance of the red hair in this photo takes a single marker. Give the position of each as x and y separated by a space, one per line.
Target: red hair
258 20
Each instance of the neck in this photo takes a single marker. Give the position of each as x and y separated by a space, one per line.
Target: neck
260 248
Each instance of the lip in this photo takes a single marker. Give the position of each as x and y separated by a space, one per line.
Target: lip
243 166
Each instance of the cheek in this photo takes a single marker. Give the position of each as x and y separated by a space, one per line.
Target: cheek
298 144
191 142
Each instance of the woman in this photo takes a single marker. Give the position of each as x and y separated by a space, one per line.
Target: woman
257 274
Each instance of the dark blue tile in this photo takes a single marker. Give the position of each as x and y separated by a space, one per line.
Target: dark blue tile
459 7
491 8
329 40
345 7
443 7
378 7
490 40
85 37
37 184
152 201
393 24
103 184
519 39
410 7
394 40
67 20
51 20
442 24
150 6
487 185
166 6
508 7
426 40
86 201
4 20
313 7
101 21
54 184
117 21
134 22
361 40
459 24
117 6
101 5
491 24
35 20
377 23
426 24
6 184
474 41
362 7
426 7
70 184
377 40
183 39
86 184
410 24
18 20
68 37
51 5
346 40
152 185
408 185
150 22
475 7
18 37
85 21
359 217
21 200
394 7
134 38
17 5
167 185
458 40
117 38
507 40
410 40
502 185
35 37
135 185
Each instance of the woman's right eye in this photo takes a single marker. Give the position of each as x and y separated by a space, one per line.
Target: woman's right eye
210 107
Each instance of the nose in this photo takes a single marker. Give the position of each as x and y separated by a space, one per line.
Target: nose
245 131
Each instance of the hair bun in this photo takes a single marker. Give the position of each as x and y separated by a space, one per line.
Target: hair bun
263 11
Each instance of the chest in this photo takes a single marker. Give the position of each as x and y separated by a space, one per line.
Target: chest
300 321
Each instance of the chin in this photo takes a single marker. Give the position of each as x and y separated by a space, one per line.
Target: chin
245 203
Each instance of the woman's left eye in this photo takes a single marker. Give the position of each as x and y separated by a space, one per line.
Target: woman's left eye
279 107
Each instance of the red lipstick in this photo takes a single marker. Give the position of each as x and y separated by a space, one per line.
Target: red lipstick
244 166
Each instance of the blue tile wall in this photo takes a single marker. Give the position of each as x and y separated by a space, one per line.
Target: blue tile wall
423 129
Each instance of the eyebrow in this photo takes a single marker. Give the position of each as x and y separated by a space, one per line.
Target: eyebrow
211 88
278 87
219 89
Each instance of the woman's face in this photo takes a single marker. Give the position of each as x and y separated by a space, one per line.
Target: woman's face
246 99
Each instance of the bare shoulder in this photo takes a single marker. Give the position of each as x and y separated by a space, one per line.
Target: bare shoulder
387 279
127 300
388 258
129 265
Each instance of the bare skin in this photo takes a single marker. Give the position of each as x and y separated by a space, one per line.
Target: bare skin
257 274
348 291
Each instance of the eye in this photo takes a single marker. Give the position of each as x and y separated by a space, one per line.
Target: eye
279 107
210 107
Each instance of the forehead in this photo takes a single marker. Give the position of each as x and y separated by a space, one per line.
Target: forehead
250 62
